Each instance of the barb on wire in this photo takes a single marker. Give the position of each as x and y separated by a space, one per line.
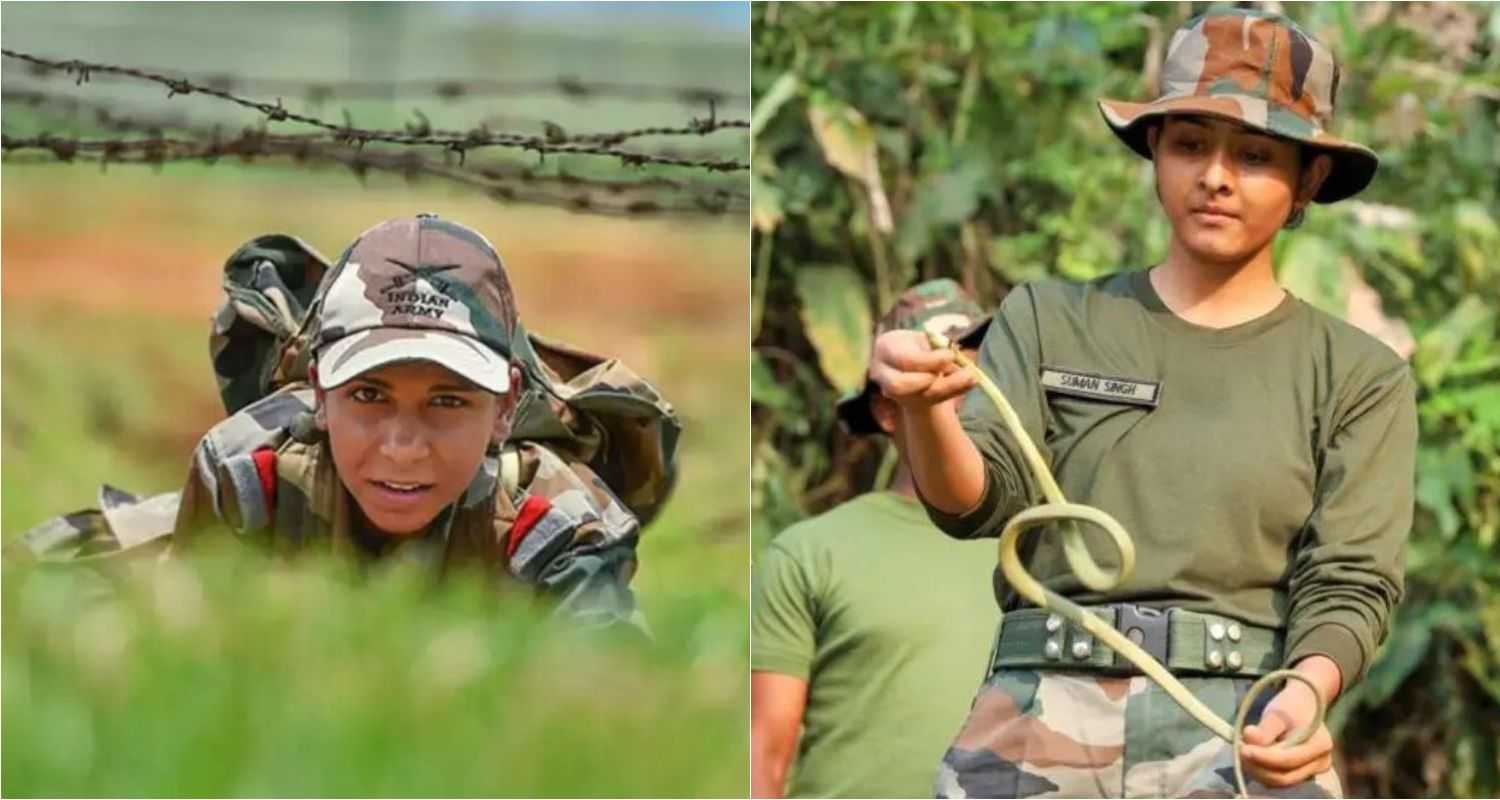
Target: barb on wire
500 182
107 117
420 127
351 135
253 142
317 92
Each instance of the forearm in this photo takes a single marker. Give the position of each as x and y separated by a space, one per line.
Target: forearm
945 464
776 705
1324 673
768 767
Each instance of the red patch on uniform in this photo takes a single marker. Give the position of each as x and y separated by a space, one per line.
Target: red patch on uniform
533 509
265 469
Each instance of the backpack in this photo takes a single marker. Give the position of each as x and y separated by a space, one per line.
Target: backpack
586 408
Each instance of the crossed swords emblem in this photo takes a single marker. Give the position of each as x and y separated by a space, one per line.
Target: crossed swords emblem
423 270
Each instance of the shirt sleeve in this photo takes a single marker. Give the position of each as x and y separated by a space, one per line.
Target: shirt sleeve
580 548
782 614
208 505
592 583
1346 571
1011 356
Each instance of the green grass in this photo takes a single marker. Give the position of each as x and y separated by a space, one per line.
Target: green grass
83 407
234 676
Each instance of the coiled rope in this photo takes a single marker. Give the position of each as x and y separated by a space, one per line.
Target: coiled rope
1058 509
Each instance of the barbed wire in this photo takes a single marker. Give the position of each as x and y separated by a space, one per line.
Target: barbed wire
254 140
501 183
102 114
108 117
317 92
349 134
249 143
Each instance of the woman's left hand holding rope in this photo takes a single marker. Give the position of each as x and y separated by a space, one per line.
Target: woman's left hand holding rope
1292 708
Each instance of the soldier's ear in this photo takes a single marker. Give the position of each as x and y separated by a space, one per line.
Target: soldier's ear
885 412
505 408
1153 138
1311 180
320 407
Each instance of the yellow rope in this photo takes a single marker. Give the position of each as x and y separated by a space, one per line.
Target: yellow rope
1058 509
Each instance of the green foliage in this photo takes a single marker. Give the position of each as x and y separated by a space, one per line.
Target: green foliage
996 169
837 319
234 676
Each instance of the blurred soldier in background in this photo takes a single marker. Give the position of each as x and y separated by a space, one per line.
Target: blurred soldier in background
868 625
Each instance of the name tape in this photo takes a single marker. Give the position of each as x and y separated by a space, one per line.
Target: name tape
1101 387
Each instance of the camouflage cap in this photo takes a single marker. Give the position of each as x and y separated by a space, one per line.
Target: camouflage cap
417 288
1258 69
940 306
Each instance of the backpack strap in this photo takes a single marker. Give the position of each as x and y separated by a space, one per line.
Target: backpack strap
510 470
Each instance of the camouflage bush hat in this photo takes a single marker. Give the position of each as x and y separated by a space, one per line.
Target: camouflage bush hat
1258 69
940 306
417 289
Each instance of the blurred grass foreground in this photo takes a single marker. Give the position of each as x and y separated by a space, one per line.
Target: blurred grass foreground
231 675
234 676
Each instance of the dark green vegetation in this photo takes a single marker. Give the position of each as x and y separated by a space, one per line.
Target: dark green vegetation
238 677
976 127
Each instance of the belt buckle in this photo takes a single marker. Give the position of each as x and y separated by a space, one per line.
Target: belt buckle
1147 627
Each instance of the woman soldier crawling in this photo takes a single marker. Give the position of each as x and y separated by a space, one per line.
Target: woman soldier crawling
402 446
1260 452
413 339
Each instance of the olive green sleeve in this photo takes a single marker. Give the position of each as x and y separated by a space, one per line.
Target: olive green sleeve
783 610
1346 570
1011 356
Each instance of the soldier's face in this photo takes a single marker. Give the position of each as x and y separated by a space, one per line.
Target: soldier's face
408 438
1227 189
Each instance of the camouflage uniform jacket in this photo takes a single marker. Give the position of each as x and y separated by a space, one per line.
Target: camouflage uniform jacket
263 474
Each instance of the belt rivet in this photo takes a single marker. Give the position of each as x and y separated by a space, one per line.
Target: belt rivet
1053 623
1216 631
1234 632
1081 649
1053 650
1215 659
1236 660
1136 635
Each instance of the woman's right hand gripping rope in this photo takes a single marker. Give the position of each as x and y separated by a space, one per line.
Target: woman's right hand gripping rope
1058 510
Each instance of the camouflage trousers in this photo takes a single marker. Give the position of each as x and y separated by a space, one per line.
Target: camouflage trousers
1033 733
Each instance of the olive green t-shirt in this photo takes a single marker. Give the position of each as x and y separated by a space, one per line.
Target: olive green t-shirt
890 622
1265 471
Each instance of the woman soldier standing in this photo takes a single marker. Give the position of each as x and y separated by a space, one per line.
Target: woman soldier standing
1260 452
